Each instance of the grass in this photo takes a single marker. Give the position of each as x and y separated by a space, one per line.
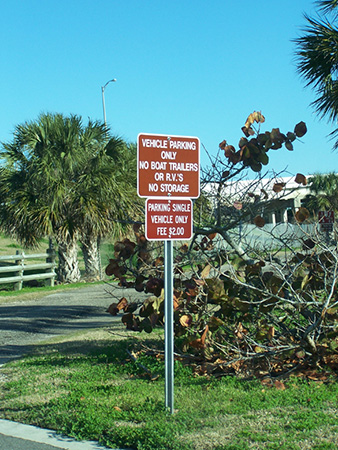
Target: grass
88 387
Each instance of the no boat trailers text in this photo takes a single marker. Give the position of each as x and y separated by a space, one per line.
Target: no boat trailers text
168 166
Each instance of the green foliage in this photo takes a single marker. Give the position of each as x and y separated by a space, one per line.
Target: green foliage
323 193
65 179
316 53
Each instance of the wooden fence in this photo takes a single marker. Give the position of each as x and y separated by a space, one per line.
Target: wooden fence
20 271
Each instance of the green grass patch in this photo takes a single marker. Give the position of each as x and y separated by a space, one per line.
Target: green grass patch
90 388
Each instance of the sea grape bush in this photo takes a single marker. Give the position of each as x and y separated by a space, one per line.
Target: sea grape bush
239 309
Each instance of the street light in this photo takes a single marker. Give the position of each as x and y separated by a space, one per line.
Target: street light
103 103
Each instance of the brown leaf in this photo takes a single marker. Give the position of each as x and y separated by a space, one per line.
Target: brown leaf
184 249
240 331
289 146
144 255
256 116
214 323
127 248
259 221
122 304
115 308
176 303
300 129
248 131
141 239
223 144
159 261
302 214
267 382
112 309
243 142
279 385
276 136
271 333
238 205
200 343
229 151
205 272
278 187
197 344
129 321
212 236
308 244
204 334
136 227
186 320
301 179
112 267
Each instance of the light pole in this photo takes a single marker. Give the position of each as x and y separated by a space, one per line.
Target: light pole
103 103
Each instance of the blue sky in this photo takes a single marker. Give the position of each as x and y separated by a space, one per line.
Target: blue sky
183 67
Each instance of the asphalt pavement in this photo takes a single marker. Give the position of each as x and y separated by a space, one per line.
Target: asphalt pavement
23 324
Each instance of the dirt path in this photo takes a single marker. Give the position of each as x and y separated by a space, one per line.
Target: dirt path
25 323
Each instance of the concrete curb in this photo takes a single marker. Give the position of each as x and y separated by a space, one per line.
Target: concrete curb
44 436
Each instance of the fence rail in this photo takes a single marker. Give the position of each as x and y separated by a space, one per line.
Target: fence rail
20 270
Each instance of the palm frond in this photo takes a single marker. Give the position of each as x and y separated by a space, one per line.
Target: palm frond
327 6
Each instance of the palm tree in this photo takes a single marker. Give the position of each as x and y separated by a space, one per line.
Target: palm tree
35 186
107 198
323 192
58 179
317 60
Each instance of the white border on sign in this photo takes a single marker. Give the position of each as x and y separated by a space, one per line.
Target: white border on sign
174 199
169 136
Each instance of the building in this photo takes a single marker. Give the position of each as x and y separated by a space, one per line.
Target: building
275 199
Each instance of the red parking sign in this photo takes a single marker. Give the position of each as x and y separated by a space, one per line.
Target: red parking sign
168 166
326 220
168 219
325 217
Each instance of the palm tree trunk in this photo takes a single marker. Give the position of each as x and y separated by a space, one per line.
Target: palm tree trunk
91 256
68 269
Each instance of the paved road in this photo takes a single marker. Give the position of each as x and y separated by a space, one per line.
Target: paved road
25 323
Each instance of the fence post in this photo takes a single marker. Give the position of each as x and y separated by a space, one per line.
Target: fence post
50 259
19 273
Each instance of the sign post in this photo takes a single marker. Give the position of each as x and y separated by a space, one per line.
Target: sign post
169 325
168 175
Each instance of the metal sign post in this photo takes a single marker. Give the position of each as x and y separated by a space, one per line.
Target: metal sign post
169 325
